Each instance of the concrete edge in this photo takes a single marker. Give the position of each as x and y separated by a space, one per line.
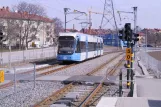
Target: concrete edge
135 90
143 68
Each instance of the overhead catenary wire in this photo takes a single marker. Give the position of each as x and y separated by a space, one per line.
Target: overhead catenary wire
55 9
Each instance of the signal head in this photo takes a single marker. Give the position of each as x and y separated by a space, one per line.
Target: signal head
136 35
121 31
1 35
128 26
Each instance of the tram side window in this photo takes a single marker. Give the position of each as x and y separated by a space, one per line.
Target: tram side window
95 46
78 47
101 45
98 46
91 46
83 46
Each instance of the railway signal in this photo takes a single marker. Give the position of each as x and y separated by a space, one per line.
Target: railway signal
126 33
1 36
136 37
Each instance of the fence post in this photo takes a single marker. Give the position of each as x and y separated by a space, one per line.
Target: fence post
120 84
34 75
15 91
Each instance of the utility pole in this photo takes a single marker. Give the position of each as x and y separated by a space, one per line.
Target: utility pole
113 11
132 49
90 22
65 13
135 23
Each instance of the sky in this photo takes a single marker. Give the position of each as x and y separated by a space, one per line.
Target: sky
148 15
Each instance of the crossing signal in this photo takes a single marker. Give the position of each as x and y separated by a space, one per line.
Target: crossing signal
128 32
136 37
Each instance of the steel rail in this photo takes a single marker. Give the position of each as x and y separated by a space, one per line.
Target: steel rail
63 90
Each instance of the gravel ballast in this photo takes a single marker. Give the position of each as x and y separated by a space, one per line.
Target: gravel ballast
86 67
25 95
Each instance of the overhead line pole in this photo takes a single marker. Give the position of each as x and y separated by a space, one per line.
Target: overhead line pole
103 14
135 23
115 21
90 23
132 50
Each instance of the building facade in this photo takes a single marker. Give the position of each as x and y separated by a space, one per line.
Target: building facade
25 30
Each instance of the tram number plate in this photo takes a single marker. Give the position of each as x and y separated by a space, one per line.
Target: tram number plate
128 57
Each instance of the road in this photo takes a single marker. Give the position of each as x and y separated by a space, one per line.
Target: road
17 56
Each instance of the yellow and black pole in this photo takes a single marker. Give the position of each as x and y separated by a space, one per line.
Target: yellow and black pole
128 34
128 57
132 61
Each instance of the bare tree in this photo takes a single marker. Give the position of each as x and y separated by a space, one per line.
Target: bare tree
12 31
32 14
58 28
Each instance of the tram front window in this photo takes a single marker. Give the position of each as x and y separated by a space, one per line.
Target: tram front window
66 45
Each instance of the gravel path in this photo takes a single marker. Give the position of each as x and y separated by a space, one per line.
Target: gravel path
85 67
27 96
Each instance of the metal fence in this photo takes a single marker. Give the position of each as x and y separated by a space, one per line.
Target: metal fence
153 65
22 79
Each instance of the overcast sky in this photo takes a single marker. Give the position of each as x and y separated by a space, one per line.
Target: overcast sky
149 15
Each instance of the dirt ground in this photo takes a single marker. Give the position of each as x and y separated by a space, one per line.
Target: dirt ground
156 55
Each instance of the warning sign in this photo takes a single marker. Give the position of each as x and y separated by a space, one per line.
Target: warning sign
1 76
128 57
128 50
128 54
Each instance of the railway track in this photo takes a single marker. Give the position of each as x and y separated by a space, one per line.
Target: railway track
93 98
48 72
39 75
84 97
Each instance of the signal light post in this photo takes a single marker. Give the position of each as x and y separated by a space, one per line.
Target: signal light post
127 35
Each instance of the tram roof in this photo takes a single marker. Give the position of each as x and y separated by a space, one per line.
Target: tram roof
74 34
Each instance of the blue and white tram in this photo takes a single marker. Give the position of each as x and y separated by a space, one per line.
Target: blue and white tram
79 47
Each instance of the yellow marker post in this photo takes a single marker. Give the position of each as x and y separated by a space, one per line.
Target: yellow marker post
128 83
1 76
128 65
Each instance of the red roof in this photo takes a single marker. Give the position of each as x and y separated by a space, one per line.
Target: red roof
5 13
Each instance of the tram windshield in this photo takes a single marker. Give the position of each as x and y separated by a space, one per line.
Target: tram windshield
66 45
